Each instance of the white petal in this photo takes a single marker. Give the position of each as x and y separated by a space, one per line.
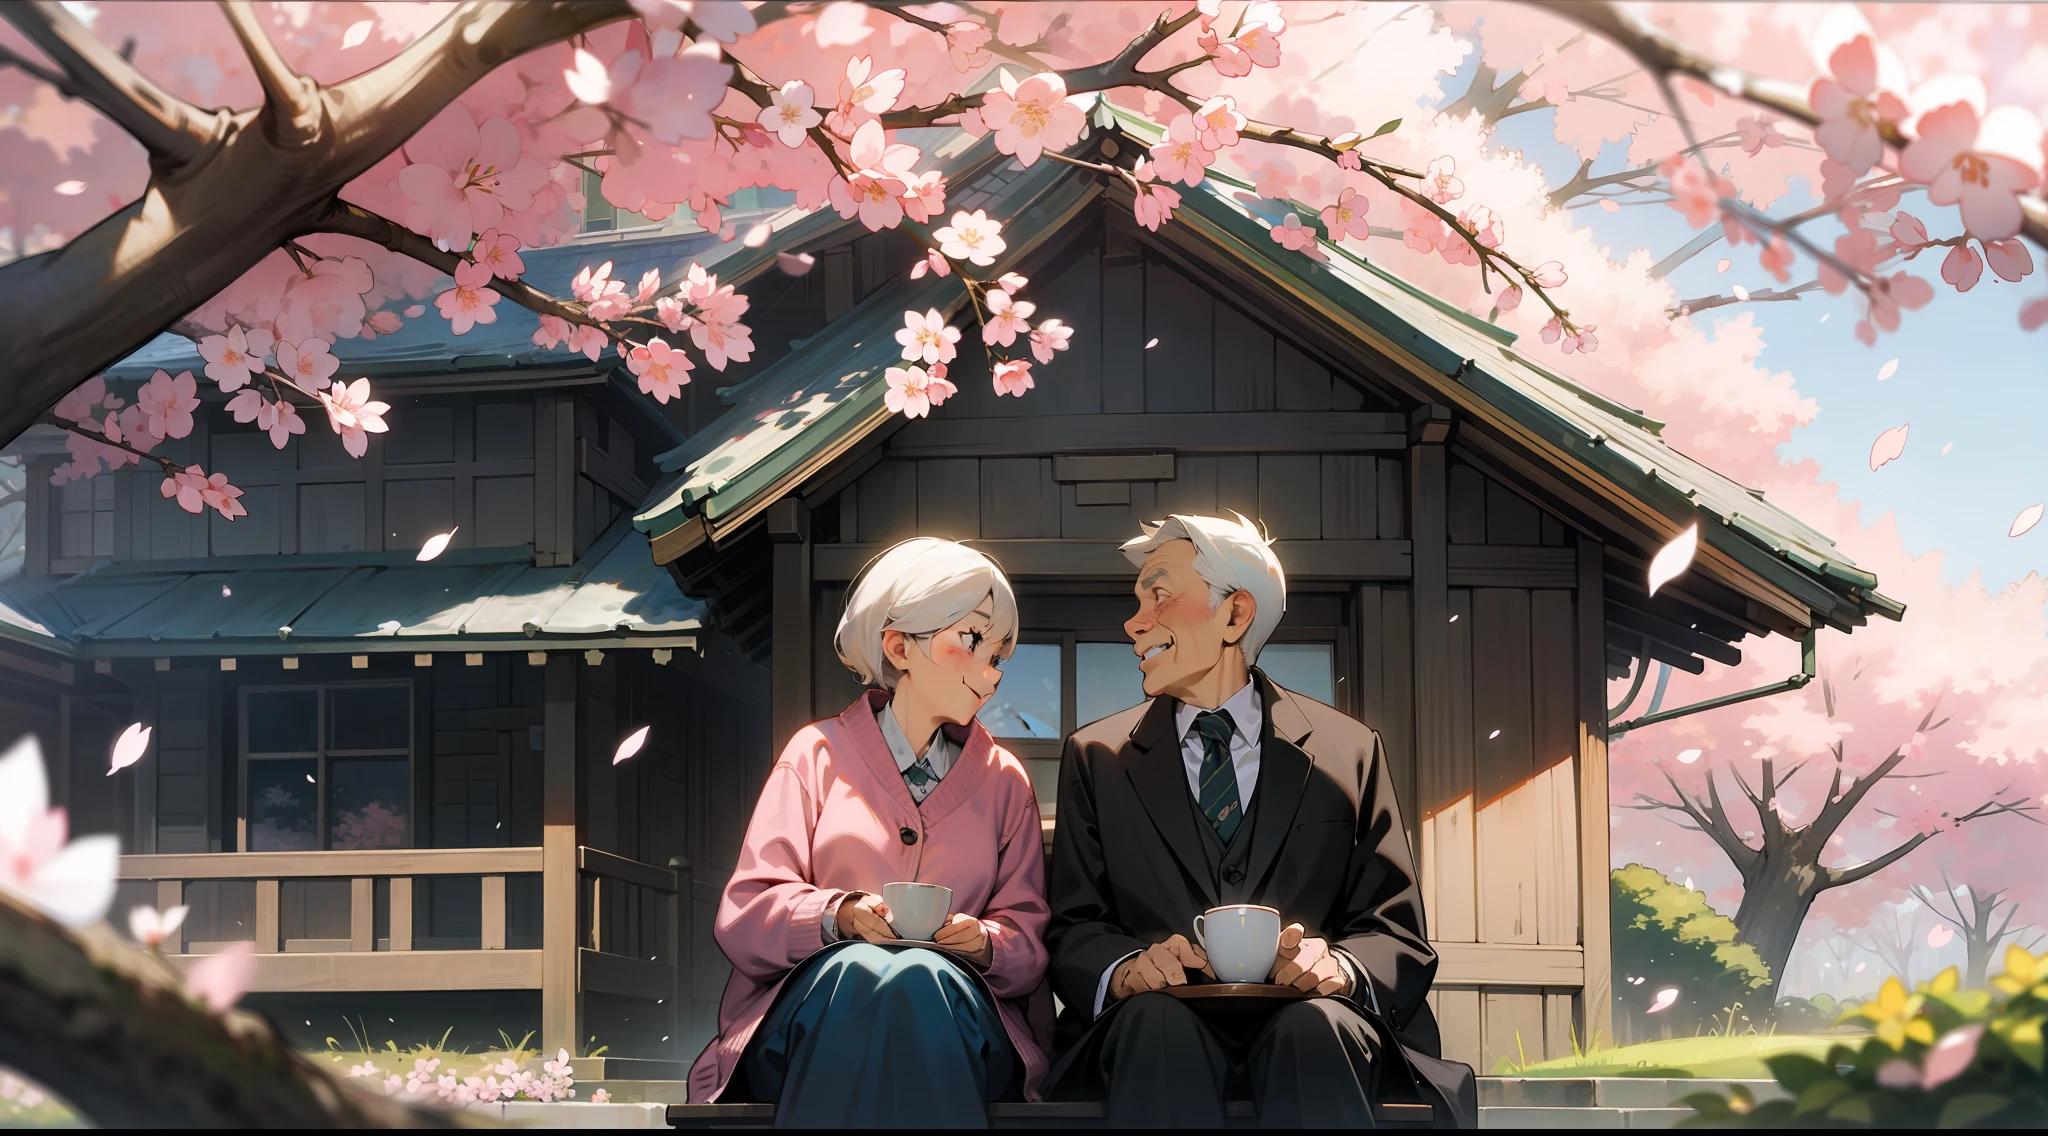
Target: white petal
437 544
133 743
24 794
1888 370
1674 558
76 886
356 33
631 745
2028 518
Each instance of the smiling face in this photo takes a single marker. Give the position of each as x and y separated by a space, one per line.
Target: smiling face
1185 646
949 674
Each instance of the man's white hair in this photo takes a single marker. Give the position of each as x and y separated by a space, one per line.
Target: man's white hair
1230 556
918 587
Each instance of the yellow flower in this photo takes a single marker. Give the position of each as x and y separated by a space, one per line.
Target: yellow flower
2022 970
1896 1014
1945 982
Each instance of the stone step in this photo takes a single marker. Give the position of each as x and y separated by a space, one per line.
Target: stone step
1608 1092
1530 1116
575 1114
635 1092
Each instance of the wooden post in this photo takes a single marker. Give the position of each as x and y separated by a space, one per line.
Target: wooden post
1596 999
560 1001
401 913
169 894
1429 531
493 930
362 914
789 528
266 917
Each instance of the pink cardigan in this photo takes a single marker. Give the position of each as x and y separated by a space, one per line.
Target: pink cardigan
829 821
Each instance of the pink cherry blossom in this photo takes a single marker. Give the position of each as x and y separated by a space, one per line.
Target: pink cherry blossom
1220 122
909 392
1697 193
308 363
927 337
607 297
150 927
471 301
1013 377
676 95
1257 41
965 42
232 359
167 403
1901 290
218 980
186 485
463 176
1908 231
1980 165
281 419
933 263
588 80
924 196
353 416
862 95
1049 336
722 20
1440 183
1583 340
1852 109
1549 274
2009 258
1180 156
72 882
589 340
553 330
1032 116
662 369
1755 132
381 323
717 332
325 300
1155 202
789 113
1291 233
873 190
1962 267
1006 318
650 281
499 252
83 401
1010 282
220 495
1347 217
972 237
1486 225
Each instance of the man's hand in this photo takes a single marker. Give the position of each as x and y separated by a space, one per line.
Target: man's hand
1307 964
865 917
964 933
1157 967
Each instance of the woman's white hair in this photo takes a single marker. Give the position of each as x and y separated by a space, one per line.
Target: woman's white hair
918 587
1230 556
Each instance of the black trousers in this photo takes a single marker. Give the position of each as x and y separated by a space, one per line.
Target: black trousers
1310 1064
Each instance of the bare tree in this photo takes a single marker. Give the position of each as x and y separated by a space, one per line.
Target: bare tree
1894 937
1782 873
1981 939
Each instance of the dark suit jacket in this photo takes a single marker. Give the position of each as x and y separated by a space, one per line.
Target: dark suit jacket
1328 850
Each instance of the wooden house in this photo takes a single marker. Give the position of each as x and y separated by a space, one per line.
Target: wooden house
1465 534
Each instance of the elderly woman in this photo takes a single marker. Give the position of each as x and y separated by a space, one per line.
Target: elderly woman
828 1014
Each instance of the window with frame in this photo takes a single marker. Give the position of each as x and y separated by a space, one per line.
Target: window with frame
85 518
327 767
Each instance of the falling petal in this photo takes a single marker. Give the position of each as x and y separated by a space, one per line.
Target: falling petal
1454 619
1674 558
310 781
1888 370
70 188
1609 205
1939 937
219 979
226 591
1951 1056
1151 343
1741 293
795 263
388 627
1945 449
2028 518
1688 756
129 747
356 33
756 236
1889 446
1665 998
1723 266
437 544
1860 966
1493 735
631 745
1824 316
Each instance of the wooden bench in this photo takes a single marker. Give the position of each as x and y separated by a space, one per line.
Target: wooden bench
1045 1114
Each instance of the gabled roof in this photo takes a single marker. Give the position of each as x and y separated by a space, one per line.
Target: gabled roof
485 599
818 401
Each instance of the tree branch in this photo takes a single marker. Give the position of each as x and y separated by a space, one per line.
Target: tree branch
1839 877
1761 296
1665 57
356 221
1713 820
292 109
175 132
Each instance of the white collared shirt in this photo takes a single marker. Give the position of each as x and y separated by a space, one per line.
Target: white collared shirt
940 754
1247 718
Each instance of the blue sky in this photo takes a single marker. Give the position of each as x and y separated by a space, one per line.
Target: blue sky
1967 375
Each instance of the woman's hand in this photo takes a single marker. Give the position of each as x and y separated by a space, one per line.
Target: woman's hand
965 934
866 917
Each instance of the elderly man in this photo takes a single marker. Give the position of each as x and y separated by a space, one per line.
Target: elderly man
1225 788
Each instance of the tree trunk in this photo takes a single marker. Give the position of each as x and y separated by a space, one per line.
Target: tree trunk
108 1028
1775 900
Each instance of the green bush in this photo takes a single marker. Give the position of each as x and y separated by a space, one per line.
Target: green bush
1807 1015
1937 1058
1668 935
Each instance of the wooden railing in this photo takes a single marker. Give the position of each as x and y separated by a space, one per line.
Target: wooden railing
632 943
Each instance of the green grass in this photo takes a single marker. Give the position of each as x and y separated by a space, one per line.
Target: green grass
1735 1058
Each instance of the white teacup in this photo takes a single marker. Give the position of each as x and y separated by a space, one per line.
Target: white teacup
1241 940
917 911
